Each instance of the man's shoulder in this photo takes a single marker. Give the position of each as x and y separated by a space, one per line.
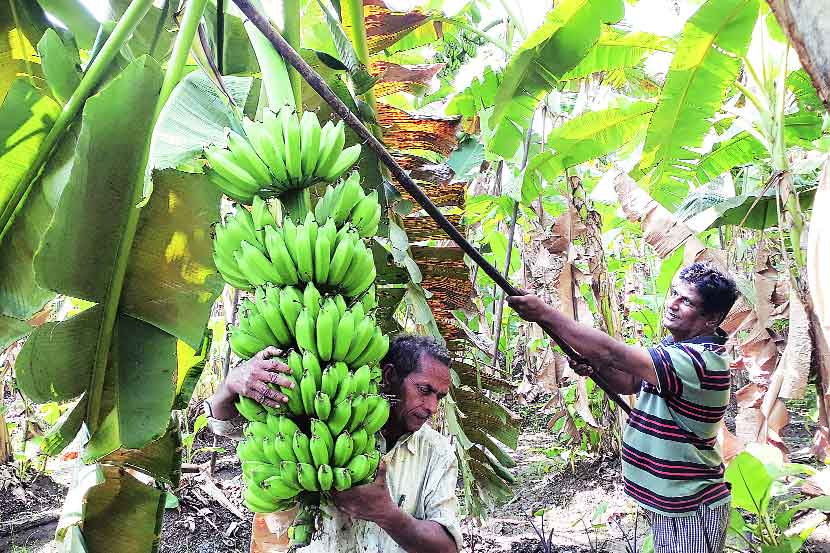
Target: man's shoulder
432 442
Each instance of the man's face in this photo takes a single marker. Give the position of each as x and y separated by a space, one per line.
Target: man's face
684 316
420 393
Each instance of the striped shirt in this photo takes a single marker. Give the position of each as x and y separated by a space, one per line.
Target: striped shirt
671 464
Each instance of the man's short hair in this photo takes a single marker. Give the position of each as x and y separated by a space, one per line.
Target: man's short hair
405 353
717 289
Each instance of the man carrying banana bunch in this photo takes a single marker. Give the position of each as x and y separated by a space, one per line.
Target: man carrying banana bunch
411 505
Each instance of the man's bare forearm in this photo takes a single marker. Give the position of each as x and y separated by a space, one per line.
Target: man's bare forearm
604 353
620 382
416 536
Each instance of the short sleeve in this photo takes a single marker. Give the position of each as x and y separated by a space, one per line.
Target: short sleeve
675 368
228 428
441 501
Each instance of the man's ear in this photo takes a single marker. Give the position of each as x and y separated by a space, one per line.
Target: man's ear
389 380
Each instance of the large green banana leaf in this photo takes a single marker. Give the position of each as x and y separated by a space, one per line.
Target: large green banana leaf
741 149
589 136
706 63
168 289
21 25
536 68
616 49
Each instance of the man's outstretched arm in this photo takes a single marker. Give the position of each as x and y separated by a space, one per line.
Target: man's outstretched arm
602 352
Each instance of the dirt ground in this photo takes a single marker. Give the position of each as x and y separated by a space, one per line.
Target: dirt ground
584 508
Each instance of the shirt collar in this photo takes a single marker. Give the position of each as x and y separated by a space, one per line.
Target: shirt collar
405 439
718 338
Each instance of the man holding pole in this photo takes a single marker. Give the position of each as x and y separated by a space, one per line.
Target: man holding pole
671 465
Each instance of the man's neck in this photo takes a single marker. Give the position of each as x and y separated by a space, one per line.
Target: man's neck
392 433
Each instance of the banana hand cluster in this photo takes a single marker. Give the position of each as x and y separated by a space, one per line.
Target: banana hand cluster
347 202
282 152
251 250
281 460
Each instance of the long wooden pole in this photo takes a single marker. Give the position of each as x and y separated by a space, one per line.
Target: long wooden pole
316 82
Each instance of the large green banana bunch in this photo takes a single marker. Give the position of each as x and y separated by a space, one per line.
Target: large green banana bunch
282 152
312 295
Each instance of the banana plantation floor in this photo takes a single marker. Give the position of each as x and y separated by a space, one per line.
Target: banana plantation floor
583 505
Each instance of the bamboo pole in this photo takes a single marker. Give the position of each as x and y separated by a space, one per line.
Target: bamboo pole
327 94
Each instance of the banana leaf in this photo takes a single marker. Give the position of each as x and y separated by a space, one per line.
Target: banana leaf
706 63
537 67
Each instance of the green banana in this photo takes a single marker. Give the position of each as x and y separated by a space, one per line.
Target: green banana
322 259
328 382
245 345
323 206
273 423
364 331
258 324
331 154
369 300
374 460
375 420
346 159
325 331
312 366
257 472
343 449
308 389
267 444
247 158
311 300
370 443
300 535
290 473
343 389
364 212
320 429
359 408
307 475
251 410
234 190
349 195
280 258
287 426
261 214
322 405
293 159
319 451
340 261
376 349
277 488
343 336
269 307
283 446
360 380
257 429
325 477
259 504
305 332
300 445
295 363
305 256
329 137
273 155
359 268
361 285
358 467
311 224
226 164
310 132
289 235
339 417
291 305
342 479
264 147
295 401
341 305
329 230
359 439
341 369
255 265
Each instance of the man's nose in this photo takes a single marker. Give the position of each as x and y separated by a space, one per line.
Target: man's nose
431 404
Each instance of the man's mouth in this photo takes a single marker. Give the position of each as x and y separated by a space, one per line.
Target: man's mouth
669 316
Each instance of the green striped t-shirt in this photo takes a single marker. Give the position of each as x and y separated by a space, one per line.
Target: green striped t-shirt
671 464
